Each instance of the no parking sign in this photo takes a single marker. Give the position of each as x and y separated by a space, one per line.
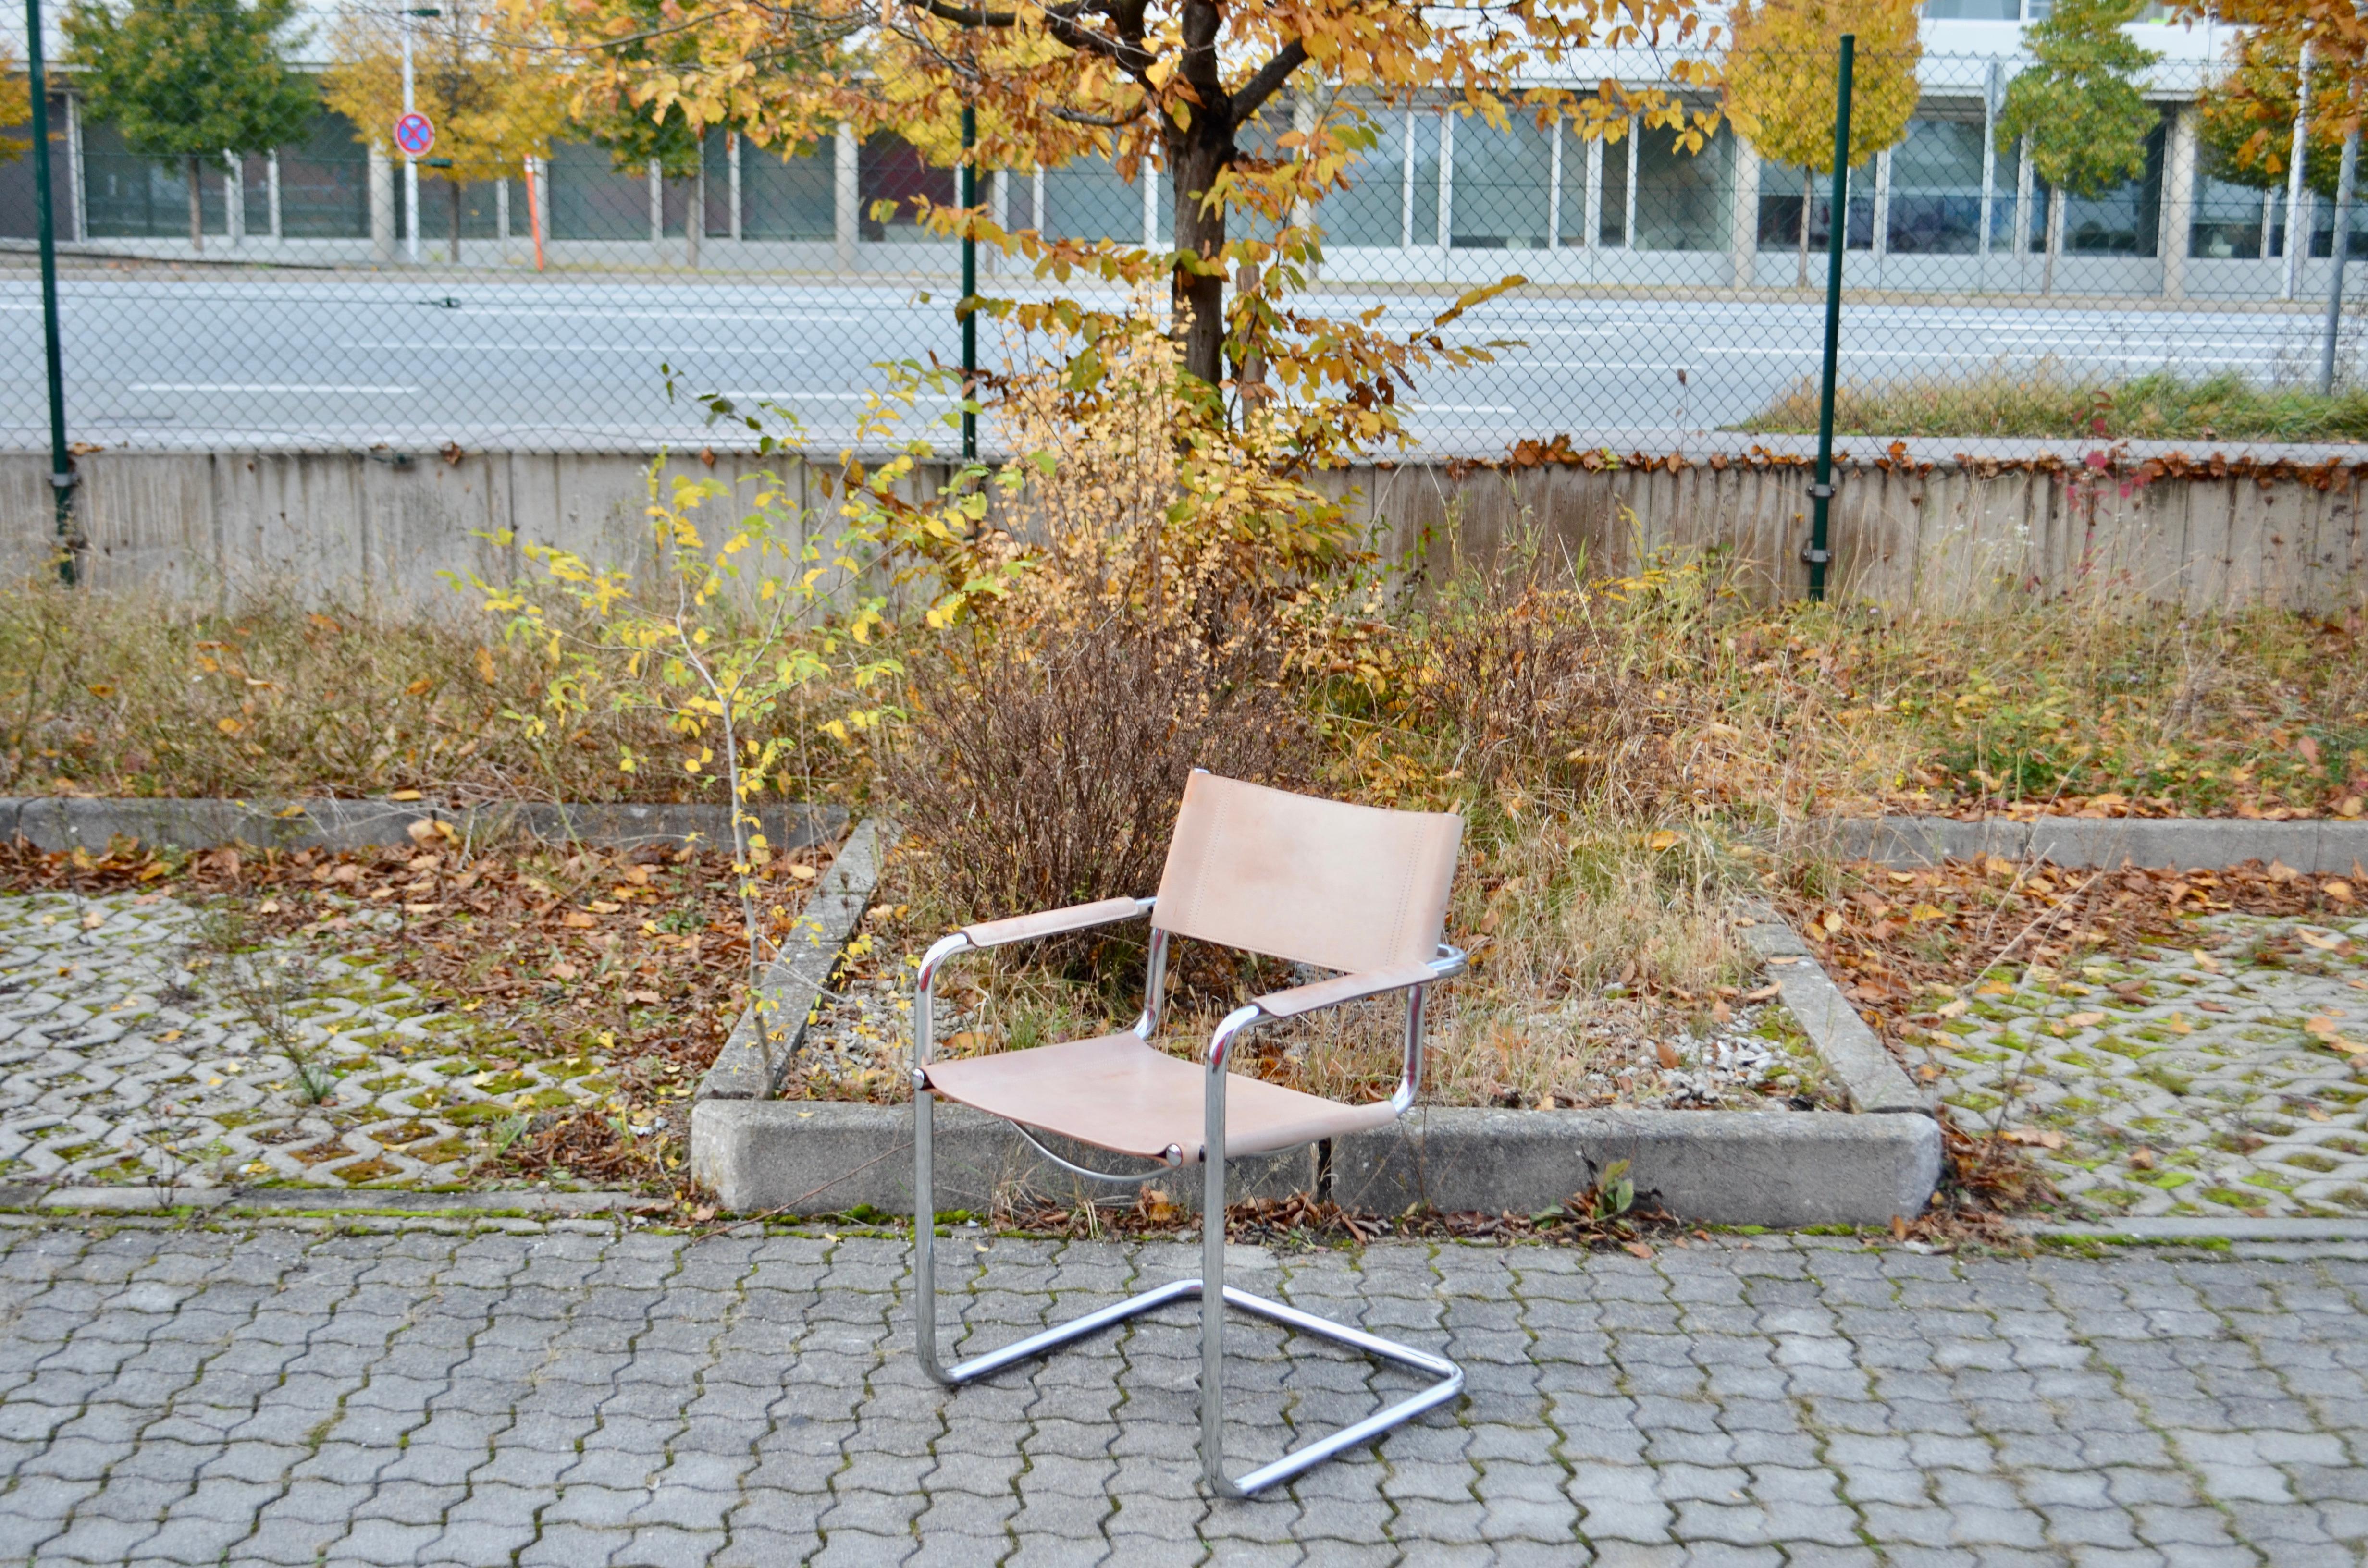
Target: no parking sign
415 134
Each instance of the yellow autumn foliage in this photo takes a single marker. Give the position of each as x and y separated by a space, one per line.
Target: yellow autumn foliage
1780 76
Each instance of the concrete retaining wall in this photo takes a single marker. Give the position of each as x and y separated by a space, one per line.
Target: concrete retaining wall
390 530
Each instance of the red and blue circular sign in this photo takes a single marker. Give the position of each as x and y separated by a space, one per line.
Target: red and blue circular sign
415 134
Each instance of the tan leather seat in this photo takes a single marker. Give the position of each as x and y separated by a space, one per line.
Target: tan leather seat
1117 1093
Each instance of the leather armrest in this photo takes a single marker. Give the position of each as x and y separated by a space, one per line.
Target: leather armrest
1054 922
1343 988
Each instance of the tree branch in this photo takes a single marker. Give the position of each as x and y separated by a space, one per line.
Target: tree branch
1099 121
1268 81
967 16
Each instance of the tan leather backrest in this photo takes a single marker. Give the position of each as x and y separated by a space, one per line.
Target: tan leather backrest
1318 881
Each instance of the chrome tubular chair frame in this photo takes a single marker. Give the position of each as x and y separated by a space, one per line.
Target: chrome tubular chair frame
1210 1289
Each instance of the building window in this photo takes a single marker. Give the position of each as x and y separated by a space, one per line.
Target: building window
1619 160
1780 206
134 197
1370 210
591 199
479 208
1086 199
323 184
1502 190
890 169
787 193
1682 199
1936 190
2227 219
2124 222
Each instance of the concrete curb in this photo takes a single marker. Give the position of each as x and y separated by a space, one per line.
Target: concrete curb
2331 847
51 824
826 1157
1719 1168
1871 1080
770 1031
2206 1230
297 1200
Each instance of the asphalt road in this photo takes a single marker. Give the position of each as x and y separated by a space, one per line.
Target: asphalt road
348 362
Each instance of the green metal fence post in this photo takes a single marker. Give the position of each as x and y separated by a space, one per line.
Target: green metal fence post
61 478
1821 494
969 285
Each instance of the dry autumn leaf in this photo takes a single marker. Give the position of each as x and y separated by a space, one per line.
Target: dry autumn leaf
2085 1020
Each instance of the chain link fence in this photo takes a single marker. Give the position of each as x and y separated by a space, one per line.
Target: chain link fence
1671 294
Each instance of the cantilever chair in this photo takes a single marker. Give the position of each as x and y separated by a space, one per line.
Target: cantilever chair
1338 887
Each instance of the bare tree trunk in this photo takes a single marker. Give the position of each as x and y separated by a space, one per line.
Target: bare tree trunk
1809 200
197 205
2055 242
1196 154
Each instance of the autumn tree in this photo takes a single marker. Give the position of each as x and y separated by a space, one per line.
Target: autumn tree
1779 86
2077 108
1178 85
16 106
637 137
494 103
2247 115
190 83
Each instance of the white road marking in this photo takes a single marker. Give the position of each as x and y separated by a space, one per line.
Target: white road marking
265 387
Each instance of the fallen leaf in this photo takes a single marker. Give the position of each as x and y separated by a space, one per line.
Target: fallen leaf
1721 1013
2339 890
2178 1024
1761 994
601 906
1665 839
2142 1159
2085 1020
2035 1137
2324 943
703 1214
1833 920
1899 1227
405 795
2213 1007
1668 1056
577 919
1956 1009
93 920
649 998
1637 1249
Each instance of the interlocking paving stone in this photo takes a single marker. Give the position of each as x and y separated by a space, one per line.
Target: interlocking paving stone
2236 1085
2181 1413
127 1057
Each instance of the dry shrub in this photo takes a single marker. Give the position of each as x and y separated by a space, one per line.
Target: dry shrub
137 693
1052 733
1045 769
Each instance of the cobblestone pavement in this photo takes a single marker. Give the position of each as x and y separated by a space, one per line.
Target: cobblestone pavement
2190 1084
279 1395
138 1048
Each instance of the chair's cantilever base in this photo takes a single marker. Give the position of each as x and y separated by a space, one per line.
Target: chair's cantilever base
1450 1376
